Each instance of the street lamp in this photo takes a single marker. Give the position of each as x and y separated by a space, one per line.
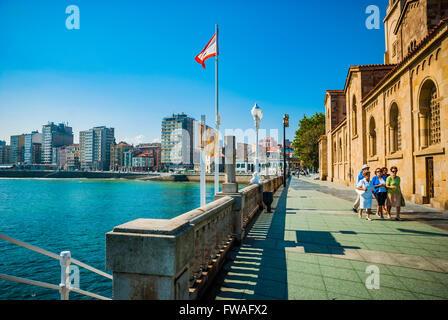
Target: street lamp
285 125
257 114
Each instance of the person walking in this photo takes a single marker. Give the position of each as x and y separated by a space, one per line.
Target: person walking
394 192
379 185
365 187
386 175
359 178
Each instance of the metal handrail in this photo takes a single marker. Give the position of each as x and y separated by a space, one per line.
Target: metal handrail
29 281
29 246
65 260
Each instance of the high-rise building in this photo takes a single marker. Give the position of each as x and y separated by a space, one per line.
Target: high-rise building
17 149
2 143
177 141
54 136
33 148
4 154
95 147
72 155
117 155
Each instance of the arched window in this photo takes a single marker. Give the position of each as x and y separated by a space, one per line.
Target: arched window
394 129
429 117
354 117
372 137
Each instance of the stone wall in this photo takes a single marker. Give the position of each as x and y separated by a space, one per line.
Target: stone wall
178 258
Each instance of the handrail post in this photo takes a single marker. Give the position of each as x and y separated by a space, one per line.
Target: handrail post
64 286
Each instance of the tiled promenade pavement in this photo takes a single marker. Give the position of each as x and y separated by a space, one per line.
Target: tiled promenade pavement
315 247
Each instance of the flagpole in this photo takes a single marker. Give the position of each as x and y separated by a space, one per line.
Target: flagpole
217 116
202 135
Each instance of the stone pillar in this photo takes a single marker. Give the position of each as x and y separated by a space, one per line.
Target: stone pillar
393 142
149 259
230 185
423 132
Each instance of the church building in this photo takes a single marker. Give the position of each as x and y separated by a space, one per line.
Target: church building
396 113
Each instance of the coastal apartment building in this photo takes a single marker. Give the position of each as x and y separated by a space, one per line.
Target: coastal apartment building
394 114
154 150
117 152
60 157
72 157
177 142
143 162
54 136
17 149
33 148
94 148
4 154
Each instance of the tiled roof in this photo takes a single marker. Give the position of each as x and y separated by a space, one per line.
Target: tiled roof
430 35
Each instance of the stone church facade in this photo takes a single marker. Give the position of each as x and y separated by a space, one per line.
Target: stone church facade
396 114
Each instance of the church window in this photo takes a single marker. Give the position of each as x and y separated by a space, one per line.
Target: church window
429 116
372 137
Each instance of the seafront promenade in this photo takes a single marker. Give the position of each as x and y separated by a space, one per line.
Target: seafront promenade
314 247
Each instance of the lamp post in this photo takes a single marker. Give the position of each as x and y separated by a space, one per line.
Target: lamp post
285 125
257 114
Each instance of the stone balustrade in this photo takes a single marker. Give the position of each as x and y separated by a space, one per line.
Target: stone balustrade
177 258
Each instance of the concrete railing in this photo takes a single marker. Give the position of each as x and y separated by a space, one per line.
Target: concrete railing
178 258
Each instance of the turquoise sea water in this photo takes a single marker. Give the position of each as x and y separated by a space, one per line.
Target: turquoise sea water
74 215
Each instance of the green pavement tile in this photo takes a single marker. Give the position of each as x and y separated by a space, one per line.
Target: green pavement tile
427 297
332 262
414 251
272 274
355 289
439 277
269 288
386 280
361 266
442 255
335 262
338 296
306 280
303 293
275 263
426 287
339 273
385 293
303 257
402 272
302 267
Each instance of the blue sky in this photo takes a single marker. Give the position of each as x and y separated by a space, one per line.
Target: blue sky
131 63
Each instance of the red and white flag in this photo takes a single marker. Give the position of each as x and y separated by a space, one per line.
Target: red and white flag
210 50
